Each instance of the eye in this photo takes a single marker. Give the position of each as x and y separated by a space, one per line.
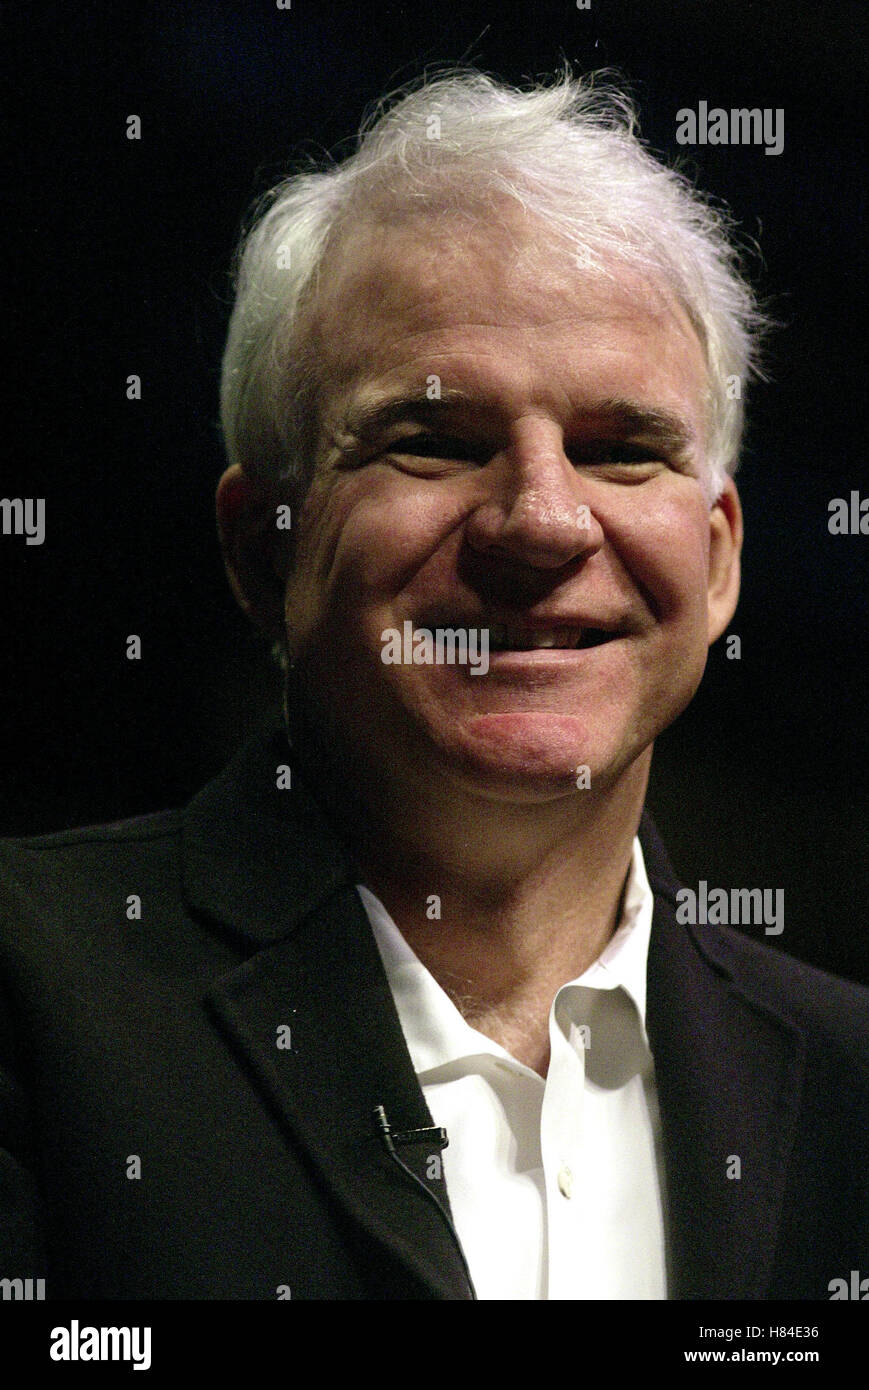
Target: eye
443 448
614 452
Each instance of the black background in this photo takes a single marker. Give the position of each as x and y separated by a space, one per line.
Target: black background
118 256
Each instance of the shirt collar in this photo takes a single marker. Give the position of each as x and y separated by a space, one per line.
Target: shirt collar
624 959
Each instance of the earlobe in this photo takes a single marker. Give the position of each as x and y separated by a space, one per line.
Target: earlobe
725 550
253 547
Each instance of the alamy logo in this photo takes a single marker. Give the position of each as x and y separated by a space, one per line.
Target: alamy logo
76 1343
858 1289
741 907
22 1290
739 126
848 520
23 516
446 646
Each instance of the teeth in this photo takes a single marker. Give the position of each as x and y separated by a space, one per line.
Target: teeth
502 637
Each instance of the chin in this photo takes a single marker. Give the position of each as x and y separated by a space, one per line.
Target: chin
530 754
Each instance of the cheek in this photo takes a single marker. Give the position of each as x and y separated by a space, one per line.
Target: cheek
665 547
375 532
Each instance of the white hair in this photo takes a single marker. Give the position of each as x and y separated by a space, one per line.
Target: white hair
568 154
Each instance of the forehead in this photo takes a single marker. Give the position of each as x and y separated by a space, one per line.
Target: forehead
501 308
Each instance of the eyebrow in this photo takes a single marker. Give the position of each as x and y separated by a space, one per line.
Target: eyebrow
365 420
627 417
620 415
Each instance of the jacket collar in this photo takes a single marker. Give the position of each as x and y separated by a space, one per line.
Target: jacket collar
257 858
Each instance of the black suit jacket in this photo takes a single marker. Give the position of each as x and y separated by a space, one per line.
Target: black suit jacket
156 1142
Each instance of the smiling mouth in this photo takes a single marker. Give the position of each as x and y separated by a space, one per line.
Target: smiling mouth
504 638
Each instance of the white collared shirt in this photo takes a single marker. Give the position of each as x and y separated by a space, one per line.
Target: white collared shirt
556 1185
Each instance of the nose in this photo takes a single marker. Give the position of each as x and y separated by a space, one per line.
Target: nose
536 511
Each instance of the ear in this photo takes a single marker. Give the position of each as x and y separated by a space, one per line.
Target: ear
725 549
257 555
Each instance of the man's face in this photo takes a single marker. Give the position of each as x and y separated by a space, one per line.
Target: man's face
505 443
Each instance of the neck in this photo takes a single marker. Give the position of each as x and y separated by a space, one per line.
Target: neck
503 902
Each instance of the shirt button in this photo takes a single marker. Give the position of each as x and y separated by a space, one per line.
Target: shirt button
565 1182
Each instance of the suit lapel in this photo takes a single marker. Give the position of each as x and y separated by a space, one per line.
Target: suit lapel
728 1075
264 866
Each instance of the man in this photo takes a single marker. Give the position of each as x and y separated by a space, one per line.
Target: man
401 1005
